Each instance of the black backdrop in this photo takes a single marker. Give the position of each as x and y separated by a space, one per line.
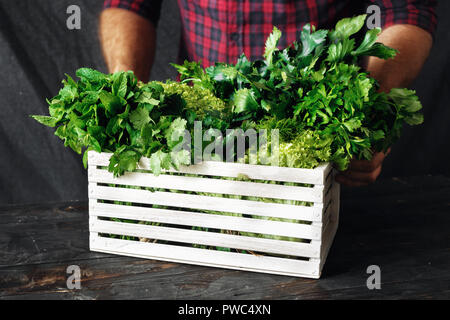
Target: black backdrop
36 49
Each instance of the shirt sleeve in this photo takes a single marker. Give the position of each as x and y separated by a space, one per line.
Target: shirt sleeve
420 13
149 9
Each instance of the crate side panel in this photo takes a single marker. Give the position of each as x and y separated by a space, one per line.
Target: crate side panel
327 241
332 225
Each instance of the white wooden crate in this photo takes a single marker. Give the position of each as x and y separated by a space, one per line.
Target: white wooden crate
158 220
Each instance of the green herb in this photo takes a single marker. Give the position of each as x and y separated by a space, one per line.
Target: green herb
324 105
315 84
114 113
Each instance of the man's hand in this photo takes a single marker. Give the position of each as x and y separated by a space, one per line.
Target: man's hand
413 45
362 172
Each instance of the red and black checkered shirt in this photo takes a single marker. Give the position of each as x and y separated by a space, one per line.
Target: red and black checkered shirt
220 30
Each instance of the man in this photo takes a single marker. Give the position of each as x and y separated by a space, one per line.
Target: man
219 31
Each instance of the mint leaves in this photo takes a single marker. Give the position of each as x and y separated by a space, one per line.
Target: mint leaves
113 113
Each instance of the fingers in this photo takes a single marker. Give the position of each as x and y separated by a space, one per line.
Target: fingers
358 178
362 172
368 165
343 180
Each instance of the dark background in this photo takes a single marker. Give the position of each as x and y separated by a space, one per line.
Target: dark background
36 49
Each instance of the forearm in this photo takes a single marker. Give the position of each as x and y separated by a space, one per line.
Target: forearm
413 45
128 42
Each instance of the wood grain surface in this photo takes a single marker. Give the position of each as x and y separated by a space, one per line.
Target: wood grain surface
401 225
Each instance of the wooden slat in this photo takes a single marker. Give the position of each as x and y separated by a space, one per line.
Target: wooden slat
205 238
204 257
220 186
205 220
205 203
227 169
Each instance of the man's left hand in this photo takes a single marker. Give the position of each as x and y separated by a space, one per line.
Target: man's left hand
362 172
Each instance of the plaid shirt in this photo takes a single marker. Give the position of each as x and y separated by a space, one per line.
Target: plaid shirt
220 30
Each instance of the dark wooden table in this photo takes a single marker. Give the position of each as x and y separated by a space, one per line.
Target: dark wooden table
401 225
